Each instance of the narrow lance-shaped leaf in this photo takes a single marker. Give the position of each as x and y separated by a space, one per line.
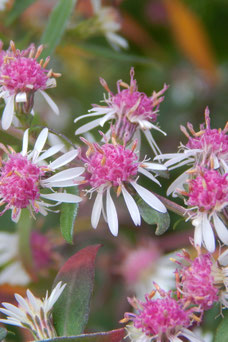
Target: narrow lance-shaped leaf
109 336
151 216
56 25
68 215
71 311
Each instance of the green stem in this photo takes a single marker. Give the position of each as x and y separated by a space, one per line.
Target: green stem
174 207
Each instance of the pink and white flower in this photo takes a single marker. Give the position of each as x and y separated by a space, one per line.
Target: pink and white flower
33 313
24 175
21 77
113 166
207 148
207 198
131 111
159 319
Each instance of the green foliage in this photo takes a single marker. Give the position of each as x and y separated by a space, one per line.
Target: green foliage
18 8
68 215
70 313
56 25
221 334
152 216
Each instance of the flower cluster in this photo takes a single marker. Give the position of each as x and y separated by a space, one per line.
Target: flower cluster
21 77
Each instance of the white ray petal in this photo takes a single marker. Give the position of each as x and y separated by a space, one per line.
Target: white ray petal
11 322
152 142
221 229
155 166
149 198
223 258
87 127
33 301
40 142
60 184
208 234
25 143
106 118
96 211
71 173
51 103
21 97
64 159
178 183
197 233
132 207
96 112
50 152
62 197
149 175
112 218
8 113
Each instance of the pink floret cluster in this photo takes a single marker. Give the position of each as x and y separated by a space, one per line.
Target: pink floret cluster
208 190
111 163
23 74
41 250
197 282
161 315
19 181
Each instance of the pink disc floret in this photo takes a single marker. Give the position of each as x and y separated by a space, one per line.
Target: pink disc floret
23 74
160 316
112 164
197 282
209 190
19 182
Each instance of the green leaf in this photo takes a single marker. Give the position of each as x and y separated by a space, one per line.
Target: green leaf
56 25
109 336
68 215
221 334
151 216
71 311
18 8
3 333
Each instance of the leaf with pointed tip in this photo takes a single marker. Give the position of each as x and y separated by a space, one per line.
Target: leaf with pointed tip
71 311
56 25
109 336
68 215
152 216
222 331
3 333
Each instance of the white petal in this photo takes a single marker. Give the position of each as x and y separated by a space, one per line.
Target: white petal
197 233
111 214
62 197
14 274
106 118
88 126
96 212
178 183
25 143
155 166
116 41
132 207
11 322
208 234
152 142
21 97
8 113
51 103
40 142
149 175
64 159
33 301
50 152
96 112
149 198
221 229
223 258
71 173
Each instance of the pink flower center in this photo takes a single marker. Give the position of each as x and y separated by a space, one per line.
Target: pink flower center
113 164
197 282
208 190
212 141
22 74
41 250
160 316
126 99
19 181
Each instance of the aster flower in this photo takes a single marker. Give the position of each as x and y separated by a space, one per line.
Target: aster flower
207 198
203 280
160 319
130 110
24 175
108 22
33 313
12 270
113 166
206 148
21 77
